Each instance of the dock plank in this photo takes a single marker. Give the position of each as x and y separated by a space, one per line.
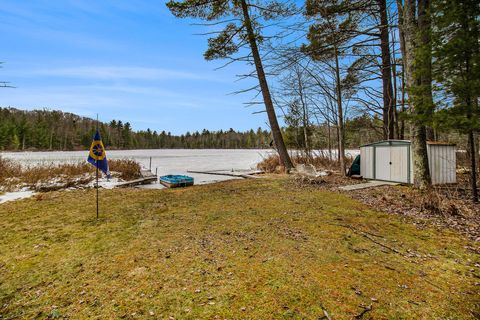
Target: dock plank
136 182
146 176
245 175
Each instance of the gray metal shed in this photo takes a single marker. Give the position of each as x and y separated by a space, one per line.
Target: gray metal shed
391 160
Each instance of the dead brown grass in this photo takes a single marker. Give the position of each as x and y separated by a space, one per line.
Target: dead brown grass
433 208
13 175
319 160
445 206
45 173
246 249
8 169
463 160
128 169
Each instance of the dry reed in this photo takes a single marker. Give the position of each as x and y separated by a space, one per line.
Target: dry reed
128 169
320 160
13 175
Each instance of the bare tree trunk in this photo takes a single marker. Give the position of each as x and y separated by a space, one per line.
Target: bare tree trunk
418 101
395 93
50 144
401 28
305 136
329 140
267 99
401 34
305 119
341 131
388 101
470 99
395 89
477 139
430 134
473 166
401 135
426 108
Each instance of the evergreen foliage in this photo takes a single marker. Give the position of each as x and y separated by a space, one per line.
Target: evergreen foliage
457 63
57 130
456 51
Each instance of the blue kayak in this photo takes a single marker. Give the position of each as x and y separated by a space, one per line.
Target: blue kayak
175 181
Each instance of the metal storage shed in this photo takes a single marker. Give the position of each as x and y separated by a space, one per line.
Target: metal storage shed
391 160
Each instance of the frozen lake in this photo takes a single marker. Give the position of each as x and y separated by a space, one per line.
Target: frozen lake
166 161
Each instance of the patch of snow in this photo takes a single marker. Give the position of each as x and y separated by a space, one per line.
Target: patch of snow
155 185
11 196
105 183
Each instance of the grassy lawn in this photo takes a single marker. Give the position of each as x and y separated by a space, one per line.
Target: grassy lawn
235 250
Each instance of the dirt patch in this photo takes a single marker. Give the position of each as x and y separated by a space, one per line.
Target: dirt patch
442 207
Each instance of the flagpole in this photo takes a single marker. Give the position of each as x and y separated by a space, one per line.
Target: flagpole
97 172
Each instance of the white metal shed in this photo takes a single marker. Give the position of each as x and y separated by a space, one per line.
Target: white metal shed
391 160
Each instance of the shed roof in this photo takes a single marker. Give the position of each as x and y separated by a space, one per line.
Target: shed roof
387 143
439 143
404 142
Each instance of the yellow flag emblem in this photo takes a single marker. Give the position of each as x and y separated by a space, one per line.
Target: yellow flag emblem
97 150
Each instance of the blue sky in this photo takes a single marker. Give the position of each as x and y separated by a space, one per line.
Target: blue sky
127 60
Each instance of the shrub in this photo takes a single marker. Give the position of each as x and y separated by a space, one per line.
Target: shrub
8 169
46 172
320 160
128 169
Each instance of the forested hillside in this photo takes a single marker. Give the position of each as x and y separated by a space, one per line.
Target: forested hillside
57 130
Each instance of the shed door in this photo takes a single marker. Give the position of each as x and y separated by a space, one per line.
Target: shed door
382 163
399 164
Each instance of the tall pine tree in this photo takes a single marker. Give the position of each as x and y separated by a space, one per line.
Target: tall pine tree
416 31
457 69
241 31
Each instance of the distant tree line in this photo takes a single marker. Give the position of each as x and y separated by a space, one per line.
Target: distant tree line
57 130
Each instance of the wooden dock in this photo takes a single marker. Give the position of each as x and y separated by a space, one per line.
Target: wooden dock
236 174
146 177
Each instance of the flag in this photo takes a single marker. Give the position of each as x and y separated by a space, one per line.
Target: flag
97 155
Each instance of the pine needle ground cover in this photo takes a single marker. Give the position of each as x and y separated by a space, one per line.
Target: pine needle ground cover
250 249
